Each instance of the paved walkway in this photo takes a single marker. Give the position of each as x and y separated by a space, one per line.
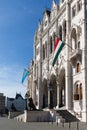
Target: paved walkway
10 124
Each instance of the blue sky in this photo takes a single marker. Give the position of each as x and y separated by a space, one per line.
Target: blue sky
18 22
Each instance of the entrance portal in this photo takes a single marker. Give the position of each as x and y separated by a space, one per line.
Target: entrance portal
53 91
45 94
62 88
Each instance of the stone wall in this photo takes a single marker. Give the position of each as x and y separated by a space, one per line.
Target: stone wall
36 116
14 114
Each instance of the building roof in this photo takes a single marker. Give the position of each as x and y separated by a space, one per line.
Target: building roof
11 99
18 95
47 11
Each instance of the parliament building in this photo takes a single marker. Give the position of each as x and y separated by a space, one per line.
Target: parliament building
63 85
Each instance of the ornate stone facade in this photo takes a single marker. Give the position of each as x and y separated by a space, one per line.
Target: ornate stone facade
64 84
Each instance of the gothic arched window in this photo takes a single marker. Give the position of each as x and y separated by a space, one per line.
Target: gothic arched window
54 39
43 52
78 67
77 90
76 93
64 29
60 32
73 11
45 49
50 45
73 38
79 45
79 5
80 91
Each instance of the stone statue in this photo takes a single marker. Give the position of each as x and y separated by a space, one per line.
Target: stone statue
30 104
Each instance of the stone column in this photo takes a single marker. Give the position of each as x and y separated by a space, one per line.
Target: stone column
62 33
84 60
33 86
58 89
48 51
68 66
58 95
48 75
40 87
40 93
34 72
48 95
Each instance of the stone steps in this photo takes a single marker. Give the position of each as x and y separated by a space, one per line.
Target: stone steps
67 116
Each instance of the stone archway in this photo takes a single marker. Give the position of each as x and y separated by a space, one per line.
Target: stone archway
62 94
45 94
53 91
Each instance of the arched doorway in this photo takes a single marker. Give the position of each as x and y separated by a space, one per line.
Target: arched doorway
53 91
45 94
62 96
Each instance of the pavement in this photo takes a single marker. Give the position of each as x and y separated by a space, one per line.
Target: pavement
10 124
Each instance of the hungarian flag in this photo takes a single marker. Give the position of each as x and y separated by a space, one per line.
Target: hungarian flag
25 74
57 49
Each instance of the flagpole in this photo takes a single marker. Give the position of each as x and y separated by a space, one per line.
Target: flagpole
69 46
65 43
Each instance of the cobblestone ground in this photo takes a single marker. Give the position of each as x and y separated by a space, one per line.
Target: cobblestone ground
9 124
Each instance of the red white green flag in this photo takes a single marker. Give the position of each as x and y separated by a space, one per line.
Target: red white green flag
57 49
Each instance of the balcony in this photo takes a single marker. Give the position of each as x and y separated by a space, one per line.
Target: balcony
75 55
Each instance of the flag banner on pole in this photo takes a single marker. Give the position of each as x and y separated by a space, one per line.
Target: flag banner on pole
57 49
25 74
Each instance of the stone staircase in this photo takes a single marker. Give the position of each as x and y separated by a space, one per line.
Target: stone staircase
47 115
67 116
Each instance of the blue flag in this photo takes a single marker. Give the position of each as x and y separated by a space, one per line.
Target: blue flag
25 74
